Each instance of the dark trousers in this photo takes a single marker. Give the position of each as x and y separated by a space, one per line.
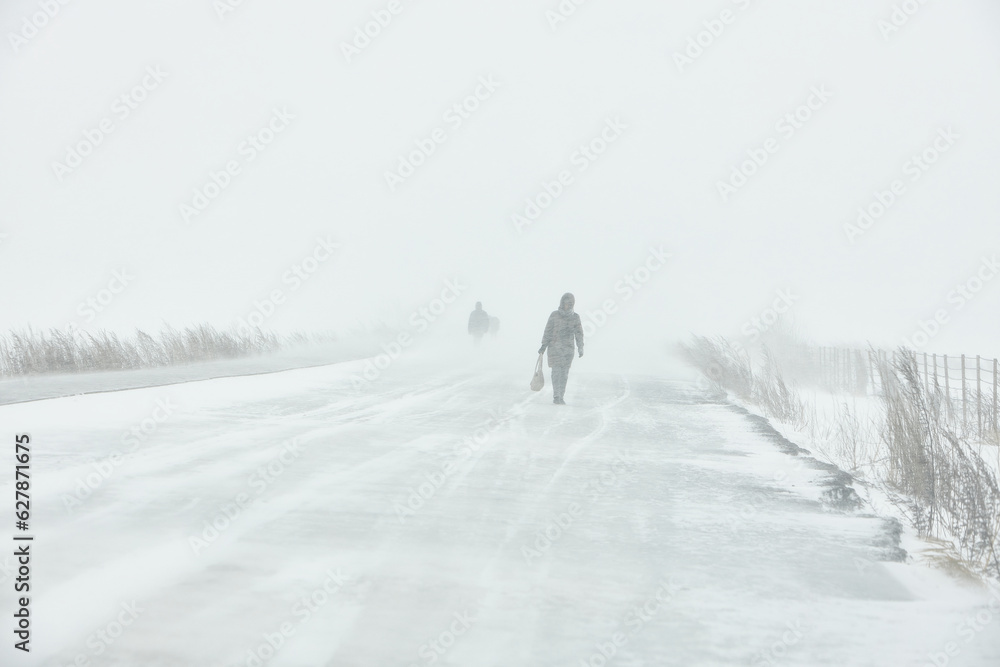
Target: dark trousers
560 373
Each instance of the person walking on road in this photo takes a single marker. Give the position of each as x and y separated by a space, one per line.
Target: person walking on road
479 323
561 332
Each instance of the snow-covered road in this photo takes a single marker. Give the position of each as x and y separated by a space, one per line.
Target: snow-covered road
454 518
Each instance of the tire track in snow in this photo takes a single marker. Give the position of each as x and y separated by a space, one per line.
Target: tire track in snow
579 445
533 509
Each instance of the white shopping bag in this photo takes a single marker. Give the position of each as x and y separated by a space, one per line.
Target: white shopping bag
538 379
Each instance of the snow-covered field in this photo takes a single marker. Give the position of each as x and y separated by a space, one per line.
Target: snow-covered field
19 389
449 516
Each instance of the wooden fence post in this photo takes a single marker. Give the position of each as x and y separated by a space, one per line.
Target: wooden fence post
844 378
965 410
871 370
847 367
947 382
927 382
852 375
979 398
859 375
885 363
995 423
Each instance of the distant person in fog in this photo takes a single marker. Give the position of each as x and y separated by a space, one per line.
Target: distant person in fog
561 331
479 323
494 326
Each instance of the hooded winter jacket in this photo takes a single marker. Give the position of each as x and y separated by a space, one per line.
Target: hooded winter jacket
561 331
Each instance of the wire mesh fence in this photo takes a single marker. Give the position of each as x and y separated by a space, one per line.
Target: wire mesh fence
967 384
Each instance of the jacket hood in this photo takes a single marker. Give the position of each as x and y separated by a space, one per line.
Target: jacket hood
567 302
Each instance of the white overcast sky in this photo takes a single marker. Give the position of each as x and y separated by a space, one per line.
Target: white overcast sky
655 186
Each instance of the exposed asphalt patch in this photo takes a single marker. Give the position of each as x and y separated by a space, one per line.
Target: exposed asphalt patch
838 492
